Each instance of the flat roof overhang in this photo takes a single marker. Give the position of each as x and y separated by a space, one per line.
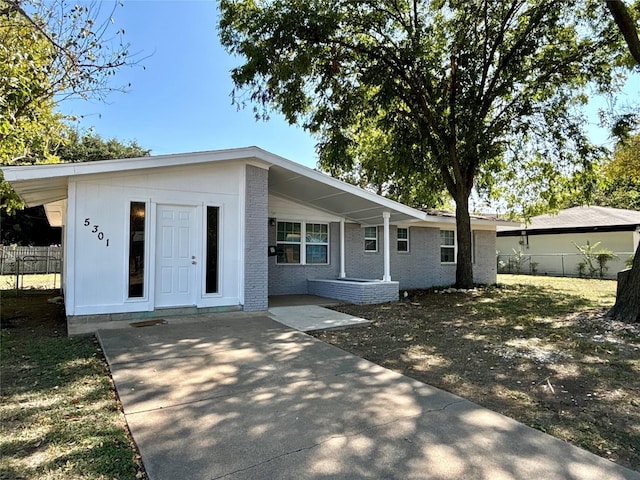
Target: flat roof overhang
44 184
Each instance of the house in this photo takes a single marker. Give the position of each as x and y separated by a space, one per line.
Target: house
223 230
548 244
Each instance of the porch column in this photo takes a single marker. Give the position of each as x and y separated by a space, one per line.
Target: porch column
343 271
387 256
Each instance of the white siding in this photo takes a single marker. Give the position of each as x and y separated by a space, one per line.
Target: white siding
547 249
281 208
99 273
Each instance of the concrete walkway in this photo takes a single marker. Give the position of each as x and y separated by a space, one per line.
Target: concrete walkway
248 398
313 317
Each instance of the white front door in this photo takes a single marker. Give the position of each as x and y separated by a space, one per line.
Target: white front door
176 260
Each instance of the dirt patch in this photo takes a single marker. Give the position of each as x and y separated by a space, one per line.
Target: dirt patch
518 350
30 309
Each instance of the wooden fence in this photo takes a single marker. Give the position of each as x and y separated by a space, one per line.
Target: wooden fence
26 260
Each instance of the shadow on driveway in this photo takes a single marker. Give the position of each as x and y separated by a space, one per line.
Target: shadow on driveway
248 398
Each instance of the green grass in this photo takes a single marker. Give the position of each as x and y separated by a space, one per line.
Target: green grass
59 416
585 292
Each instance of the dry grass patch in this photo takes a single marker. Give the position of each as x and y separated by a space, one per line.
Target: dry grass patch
59 416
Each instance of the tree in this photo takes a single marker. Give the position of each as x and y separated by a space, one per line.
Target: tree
49 51
28 129
30 226
620 177
461 88
627 26
627 306
89 147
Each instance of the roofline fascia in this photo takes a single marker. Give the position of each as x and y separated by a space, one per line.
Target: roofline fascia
565 230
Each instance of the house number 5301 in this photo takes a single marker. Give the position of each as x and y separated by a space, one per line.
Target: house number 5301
96 229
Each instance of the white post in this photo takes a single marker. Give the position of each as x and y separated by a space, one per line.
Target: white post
343 270
387 256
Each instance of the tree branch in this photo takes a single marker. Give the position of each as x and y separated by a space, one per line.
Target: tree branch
627 27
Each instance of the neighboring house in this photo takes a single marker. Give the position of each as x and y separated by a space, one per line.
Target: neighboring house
223 230
549 241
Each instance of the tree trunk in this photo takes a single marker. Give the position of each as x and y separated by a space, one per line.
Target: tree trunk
627 27
464 268
627 306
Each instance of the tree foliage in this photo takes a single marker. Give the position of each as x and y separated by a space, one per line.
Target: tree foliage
461 89
50 50
620 177
89 147
30 226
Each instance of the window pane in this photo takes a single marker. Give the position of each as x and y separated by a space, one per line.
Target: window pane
370 232
317 233
211 283
288 253
288 232
447 237
136 249
370 245
403 239
316 254
447 255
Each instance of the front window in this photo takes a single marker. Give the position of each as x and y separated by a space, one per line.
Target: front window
288 242
292 247
136 249
317 243
370 239
211 274
447 246
403 239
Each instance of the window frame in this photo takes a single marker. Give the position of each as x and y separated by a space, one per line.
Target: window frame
289 242
308 243
402 240
208 251
143 258
473 246
453 247
370 238
303 243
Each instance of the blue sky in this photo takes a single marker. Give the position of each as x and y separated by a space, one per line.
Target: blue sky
180 101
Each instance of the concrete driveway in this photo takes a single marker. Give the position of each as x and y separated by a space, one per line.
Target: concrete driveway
248 398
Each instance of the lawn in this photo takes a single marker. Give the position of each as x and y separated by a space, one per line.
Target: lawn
537 349
59 415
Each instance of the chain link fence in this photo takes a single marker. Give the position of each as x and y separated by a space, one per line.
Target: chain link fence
30 267
561 264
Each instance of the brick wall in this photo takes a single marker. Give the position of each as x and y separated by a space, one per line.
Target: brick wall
255 248
418 268
360 293
484 268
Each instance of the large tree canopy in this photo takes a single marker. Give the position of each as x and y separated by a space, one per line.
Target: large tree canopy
49 51
460 88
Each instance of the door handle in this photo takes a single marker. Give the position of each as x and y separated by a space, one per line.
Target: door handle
193 260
